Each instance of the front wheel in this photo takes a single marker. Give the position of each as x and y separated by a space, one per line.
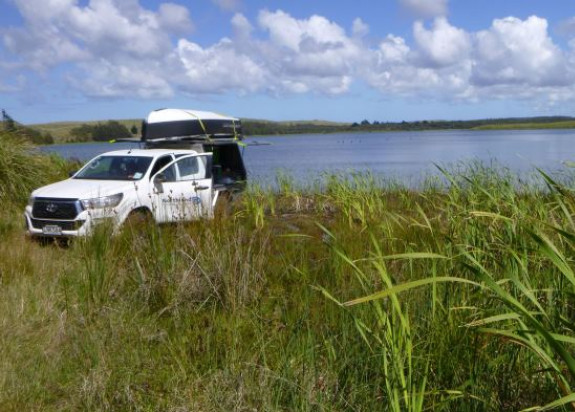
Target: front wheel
139 220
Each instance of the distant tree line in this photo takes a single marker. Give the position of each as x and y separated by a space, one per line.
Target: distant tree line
255 127
260 127
102 132
453 124
28 133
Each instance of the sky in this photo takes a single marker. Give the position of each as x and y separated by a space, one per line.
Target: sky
386 60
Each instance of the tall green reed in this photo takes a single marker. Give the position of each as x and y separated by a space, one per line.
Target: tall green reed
520 262
23 169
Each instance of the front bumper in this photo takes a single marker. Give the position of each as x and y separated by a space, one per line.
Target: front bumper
82 225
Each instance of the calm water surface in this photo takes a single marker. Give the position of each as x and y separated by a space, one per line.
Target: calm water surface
405 156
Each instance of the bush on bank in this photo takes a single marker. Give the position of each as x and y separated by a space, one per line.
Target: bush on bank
23 169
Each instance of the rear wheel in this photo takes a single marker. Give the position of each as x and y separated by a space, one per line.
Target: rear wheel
224 205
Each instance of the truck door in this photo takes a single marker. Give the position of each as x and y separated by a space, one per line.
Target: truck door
183 189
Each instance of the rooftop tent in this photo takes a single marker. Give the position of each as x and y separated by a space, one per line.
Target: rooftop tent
177 124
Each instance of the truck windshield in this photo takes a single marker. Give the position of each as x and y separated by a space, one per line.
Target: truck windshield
115 168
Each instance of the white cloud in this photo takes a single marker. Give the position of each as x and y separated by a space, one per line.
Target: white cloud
174 18
115 43
289 32
438 64
425 8
443 45
62 31
395 69
43 47
359 29
112 80
512 59
118 48
514 52
300 56
314 52
393 50
219 69
241 26
108 30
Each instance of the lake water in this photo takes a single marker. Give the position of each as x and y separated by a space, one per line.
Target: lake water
403 156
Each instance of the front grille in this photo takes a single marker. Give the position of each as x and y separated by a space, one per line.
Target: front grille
56 208
65 225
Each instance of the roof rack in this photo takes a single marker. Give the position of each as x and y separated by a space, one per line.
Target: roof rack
193 138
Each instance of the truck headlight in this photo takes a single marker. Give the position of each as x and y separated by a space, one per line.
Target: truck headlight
31 201
102 202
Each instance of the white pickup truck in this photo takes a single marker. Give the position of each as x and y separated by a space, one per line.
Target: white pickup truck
163 180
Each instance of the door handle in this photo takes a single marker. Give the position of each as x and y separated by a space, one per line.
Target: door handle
198 188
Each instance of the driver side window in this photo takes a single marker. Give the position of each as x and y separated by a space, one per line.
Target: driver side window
170 174
160 163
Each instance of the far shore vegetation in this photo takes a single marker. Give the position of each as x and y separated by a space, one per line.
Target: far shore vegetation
358 294
74 132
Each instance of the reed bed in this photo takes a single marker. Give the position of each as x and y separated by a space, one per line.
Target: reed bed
364 295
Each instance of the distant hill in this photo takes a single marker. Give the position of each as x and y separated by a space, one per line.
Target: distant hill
61 131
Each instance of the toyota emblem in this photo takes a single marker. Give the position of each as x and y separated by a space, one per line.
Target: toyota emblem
51 207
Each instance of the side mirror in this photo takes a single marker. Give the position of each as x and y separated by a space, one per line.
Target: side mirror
158 182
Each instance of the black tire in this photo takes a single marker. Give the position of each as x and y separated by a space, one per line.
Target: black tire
44 241
224 205
139 220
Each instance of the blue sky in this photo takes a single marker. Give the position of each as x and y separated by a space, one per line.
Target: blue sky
387 60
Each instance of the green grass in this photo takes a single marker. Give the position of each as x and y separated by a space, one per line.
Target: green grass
22 169
362 296
528 126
